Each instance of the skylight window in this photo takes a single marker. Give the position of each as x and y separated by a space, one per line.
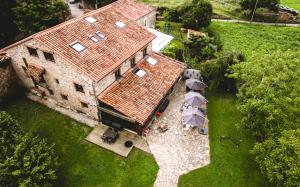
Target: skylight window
90 19
120 24
98 33
93 38
139 72
77 46
151 61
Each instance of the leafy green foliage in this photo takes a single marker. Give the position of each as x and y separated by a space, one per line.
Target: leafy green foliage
215 72
24 160
197 14
250 4
100 2
8 29
32 16
200 48
279 159
269 93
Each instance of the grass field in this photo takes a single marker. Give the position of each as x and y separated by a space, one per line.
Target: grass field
231 165
256 40
292 3
82 163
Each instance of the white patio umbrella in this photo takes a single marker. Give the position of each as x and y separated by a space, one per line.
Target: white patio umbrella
193 117
194 99
195 84
192 73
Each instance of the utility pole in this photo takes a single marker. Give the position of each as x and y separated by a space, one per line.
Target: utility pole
254 11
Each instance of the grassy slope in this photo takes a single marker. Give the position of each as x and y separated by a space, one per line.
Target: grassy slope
230 165
292 3
83 164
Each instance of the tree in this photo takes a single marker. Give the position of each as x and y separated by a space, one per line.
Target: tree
8 29
32 16
279 159
197 14
24 160
250 4
269 93
100 3
216 72
201 47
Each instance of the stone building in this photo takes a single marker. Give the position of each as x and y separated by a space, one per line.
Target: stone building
98 67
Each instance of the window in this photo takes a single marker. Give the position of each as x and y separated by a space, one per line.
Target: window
49 56
139 72
43 80
118 74
120 24
93 38
90 19
84 105
25 62
77 46
50 92
65 97
98 33
57 81
25 71
32 52
145 22
78 88
132 62
144 52
151 61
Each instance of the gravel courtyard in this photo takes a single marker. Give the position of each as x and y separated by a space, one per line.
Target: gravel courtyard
177 151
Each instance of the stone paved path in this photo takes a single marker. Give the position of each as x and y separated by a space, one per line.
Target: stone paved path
176 151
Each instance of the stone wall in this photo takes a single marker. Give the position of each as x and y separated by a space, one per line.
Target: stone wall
60 77
148 20
7 80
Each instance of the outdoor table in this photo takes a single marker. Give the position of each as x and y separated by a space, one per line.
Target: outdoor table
110 135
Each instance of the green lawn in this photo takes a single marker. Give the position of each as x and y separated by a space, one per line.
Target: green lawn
256 40
292 4
231 165
82 163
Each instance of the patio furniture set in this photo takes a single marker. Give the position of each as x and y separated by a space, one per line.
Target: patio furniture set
194 106
110 136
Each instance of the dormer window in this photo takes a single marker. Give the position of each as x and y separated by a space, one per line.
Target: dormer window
98 33
32 52
93 38
77 46
120 24
90 19
151 61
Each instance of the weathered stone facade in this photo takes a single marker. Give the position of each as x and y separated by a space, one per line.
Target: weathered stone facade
148 20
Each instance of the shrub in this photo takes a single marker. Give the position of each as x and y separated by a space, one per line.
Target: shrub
197 14
250 4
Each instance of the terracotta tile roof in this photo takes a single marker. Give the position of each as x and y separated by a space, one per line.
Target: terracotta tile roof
138 97
132 9
35 71
99 58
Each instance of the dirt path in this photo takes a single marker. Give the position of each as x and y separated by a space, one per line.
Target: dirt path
176 151
256 23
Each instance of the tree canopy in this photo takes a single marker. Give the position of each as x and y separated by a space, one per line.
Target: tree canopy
250 4
196 14
32 16
25 160
279 159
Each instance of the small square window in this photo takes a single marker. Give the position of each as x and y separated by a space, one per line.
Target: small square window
50 92
84 105
90 19
32 52
77 46
49 56
57 81
132 62
65 97
118 74
78 88
120 24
